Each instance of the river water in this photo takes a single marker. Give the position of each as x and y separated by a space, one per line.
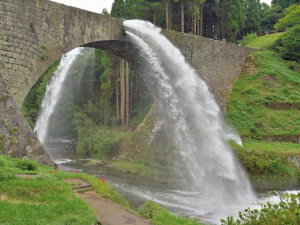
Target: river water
138 189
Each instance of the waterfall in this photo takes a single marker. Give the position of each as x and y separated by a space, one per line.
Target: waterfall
52 94
195 123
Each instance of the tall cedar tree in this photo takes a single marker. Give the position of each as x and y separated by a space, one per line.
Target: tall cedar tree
253 17
231 14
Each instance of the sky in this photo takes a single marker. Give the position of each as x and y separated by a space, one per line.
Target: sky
98 5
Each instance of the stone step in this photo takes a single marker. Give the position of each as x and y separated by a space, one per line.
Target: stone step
83 190
82 186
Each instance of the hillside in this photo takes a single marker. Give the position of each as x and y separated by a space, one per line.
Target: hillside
265 104
264 108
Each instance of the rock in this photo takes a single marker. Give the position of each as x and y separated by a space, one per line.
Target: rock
96 162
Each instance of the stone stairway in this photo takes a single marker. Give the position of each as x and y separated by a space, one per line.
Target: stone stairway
107 211
79 185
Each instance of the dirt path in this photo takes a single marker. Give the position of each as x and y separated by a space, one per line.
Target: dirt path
107 211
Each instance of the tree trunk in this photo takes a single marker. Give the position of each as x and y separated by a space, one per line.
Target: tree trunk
170 15
195 24
127 99
137 92
167 15
198 19
201 20
117 91
182 16
122 93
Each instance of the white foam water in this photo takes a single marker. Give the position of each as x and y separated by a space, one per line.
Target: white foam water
196 125
52 94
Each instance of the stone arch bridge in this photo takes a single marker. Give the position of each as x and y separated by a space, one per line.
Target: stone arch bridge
35 33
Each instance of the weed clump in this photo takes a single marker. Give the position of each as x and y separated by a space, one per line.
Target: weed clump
27 165
3 162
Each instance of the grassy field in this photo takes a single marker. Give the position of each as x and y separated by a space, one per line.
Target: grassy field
48 199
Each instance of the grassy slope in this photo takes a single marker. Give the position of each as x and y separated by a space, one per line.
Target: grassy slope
264 41
251 109
263 105
50 200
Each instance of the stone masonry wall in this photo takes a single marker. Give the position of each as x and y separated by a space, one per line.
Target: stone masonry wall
218 63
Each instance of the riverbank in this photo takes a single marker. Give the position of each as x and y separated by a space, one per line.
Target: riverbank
48 199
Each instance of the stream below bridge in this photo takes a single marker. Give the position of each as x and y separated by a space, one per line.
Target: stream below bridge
138 189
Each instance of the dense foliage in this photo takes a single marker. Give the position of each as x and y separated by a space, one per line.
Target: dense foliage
288 45
217 19
284 3
287 211
290 19
97 140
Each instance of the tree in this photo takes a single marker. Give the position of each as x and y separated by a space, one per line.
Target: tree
118 9
104 12
209 19
285 3
288 45
231 14
253 17
181 14
271 16
291 18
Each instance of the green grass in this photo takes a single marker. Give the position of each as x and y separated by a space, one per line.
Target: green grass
40 200
135 168
266 105
264 41
160 216
284 148
48 199
249 108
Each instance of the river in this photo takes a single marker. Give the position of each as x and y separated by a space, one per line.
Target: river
138 189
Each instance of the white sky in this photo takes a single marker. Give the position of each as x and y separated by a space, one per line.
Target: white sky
98 5
90 5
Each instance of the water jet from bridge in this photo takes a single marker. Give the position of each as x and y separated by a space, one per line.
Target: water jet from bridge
196 124
52 94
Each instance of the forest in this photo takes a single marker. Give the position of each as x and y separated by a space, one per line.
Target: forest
227 20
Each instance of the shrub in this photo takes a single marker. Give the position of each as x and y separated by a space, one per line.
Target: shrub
247 39
27 165
286 212
288 45
147 210
44 56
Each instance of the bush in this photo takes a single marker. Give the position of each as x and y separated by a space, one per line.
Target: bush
27 165
286 212
288 45
247 39
97 140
